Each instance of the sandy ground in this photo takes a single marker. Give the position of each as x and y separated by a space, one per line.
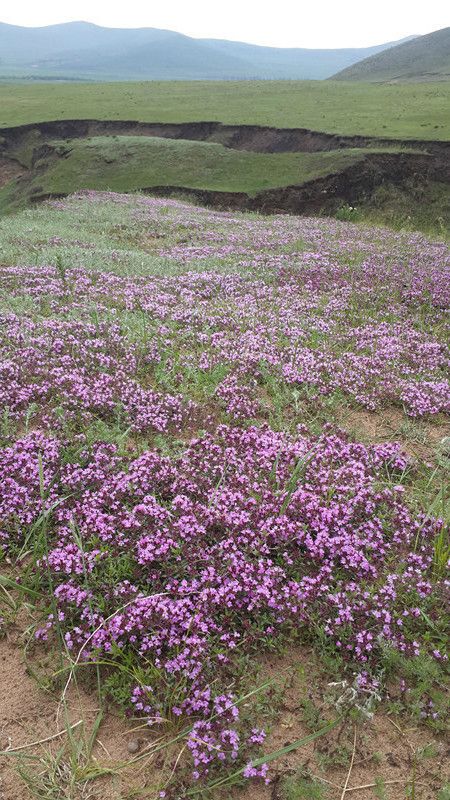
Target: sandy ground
29 713
383 748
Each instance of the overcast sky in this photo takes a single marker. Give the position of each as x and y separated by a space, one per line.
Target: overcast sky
283 23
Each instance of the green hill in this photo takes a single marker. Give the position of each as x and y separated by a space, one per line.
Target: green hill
423 58
130 163
89 52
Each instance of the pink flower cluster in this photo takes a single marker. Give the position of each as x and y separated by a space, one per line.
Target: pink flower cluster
71 373
247 531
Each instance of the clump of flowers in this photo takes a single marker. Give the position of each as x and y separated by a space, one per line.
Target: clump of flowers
239 403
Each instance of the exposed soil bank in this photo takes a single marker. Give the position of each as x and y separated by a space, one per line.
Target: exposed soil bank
9 170
322 195
419 163
383 752
352 185
240 137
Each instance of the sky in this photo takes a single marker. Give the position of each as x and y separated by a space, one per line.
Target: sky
284 23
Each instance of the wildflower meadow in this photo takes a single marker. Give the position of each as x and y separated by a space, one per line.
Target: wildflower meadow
190 474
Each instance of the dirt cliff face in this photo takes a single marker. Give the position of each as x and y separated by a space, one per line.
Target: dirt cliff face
256 138
352 185
9 170
423 160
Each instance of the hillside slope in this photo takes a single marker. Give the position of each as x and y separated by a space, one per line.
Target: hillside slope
423 58
86 51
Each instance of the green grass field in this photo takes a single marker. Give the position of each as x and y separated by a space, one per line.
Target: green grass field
397 111
130 163
406 208
127 163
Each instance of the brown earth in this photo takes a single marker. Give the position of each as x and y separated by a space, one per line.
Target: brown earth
352 185
419 438
257 138
30 713
9 170
385 748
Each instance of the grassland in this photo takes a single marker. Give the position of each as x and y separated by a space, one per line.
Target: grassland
130 163
410 207
407 111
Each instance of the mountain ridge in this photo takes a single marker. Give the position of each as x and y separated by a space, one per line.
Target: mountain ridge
422 58
91 52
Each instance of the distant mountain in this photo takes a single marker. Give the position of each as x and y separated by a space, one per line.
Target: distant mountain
422 58
86 51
